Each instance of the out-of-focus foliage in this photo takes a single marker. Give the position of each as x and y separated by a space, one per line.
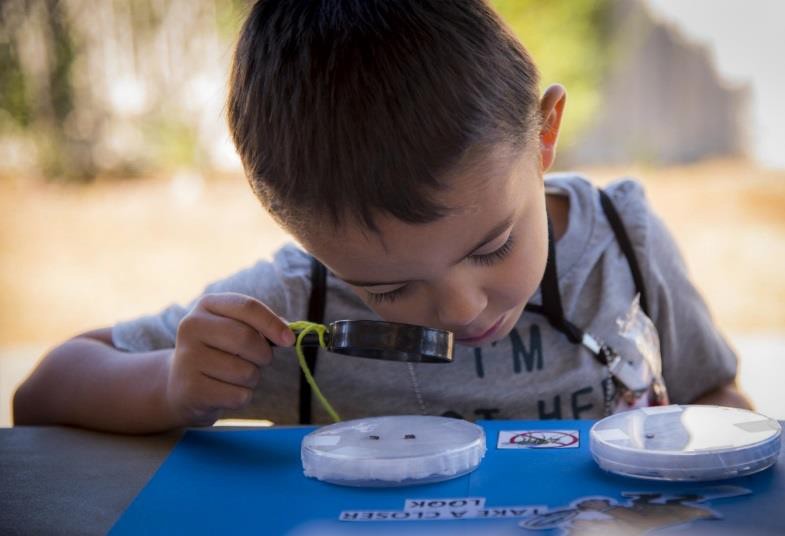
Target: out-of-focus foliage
36 96
121 87
570 43
114 87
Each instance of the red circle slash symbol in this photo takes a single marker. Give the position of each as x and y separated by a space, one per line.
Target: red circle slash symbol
545 439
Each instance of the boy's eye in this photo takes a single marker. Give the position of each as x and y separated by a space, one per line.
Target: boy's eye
487 259
386 297
484 259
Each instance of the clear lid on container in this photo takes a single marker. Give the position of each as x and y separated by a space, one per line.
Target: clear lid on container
686 442
393 450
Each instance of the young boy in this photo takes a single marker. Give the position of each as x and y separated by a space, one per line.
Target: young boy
403 144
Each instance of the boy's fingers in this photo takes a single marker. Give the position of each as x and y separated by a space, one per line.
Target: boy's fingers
229 369
228 335
252 312
218 395
205 417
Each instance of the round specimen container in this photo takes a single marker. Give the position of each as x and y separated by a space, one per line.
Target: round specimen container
393 450
692 443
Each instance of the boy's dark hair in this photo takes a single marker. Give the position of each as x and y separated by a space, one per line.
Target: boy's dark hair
343 109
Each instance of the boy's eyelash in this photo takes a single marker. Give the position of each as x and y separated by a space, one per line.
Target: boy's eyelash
386 297
488 259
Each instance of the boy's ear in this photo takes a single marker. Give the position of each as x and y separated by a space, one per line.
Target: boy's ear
551 109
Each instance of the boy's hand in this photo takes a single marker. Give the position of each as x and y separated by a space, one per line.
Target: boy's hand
221 345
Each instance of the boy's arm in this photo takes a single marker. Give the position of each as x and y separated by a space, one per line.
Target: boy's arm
87 382
699 365
221 346
727 395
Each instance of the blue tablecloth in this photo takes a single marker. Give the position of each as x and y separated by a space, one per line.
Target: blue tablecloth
251 481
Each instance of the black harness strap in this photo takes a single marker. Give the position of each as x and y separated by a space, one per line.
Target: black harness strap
626 246
316 304
552 308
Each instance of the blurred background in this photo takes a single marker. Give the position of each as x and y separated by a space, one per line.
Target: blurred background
120 191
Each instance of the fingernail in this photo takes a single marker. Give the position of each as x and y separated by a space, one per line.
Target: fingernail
287 336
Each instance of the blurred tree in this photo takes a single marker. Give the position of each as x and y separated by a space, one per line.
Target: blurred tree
36 57
14 106
569 41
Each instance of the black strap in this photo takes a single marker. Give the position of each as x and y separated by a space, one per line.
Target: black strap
551 307
626 247
316 304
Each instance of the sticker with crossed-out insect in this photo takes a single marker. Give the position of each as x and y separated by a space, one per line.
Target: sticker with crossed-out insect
538 439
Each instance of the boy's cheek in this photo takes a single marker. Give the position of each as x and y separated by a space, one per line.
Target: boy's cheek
516 283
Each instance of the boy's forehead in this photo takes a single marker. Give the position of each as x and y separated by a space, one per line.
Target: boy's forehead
481 198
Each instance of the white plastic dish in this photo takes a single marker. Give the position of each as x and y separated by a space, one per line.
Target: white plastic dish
393 450
686 443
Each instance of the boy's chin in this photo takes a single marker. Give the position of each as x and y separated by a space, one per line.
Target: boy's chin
484 342
503 330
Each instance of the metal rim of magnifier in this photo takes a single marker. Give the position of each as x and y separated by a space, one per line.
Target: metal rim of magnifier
390 341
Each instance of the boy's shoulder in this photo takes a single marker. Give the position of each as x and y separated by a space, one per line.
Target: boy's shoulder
288 263
292 258
627 194
623 191
589 231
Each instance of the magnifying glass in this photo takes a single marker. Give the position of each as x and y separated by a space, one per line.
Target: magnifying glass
389 341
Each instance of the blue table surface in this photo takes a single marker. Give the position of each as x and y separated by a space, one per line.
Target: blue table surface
252 481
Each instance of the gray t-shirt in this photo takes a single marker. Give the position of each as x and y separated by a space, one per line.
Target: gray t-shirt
533 373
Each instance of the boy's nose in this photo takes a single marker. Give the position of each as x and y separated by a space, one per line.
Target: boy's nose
459 306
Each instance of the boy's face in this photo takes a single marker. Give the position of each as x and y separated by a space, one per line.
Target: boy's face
470 272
